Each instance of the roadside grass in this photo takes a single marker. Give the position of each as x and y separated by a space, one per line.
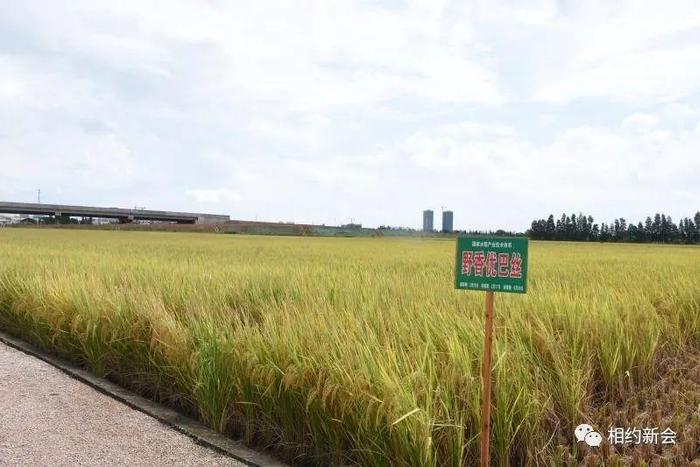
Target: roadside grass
354 351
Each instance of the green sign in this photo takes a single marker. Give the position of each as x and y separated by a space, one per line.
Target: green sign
492 264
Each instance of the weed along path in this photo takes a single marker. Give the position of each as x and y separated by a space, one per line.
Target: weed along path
48 418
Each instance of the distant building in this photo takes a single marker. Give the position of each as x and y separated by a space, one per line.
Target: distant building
351 226
104 221
447 221
428 220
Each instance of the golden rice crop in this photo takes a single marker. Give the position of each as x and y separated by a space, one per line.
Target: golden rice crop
353 350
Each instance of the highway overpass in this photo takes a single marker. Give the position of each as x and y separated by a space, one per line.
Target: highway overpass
123 215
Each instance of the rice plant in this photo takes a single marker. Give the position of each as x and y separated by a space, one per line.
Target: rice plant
354 351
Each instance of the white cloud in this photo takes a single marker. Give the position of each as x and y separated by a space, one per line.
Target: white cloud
639 120
603 171
634 76
302 56
629 51
322 111
218 195
89 160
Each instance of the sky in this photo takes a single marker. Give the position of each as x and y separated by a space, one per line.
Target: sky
370 111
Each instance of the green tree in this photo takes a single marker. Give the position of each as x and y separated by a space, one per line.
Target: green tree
641 232
567 228
550 228
623 230
672 230
538 229
693 232
656 228
682 232
561 228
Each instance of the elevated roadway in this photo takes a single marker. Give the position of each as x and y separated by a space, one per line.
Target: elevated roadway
123 215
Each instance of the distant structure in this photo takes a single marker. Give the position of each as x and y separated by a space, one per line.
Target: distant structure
64 212
447 221
428 220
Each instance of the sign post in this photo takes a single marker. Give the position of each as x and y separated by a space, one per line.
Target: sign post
490 264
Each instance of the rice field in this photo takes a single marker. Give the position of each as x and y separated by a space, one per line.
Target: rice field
358 351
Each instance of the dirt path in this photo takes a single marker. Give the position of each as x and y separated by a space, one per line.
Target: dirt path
48 418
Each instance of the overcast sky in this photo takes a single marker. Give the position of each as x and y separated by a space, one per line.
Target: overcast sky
371 110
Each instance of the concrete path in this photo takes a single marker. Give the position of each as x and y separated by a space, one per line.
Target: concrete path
50 419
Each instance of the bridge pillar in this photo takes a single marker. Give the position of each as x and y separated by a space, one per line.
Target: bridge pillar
57 217
60 218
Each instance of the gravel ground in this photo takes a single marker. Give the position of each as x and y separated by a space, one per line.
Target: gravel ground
50 419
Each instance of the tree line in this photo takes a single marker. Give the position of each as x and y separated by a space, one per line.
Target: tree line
659 229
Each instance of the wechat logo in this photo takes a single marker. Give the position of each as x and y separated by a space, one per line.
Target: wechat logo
586 434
